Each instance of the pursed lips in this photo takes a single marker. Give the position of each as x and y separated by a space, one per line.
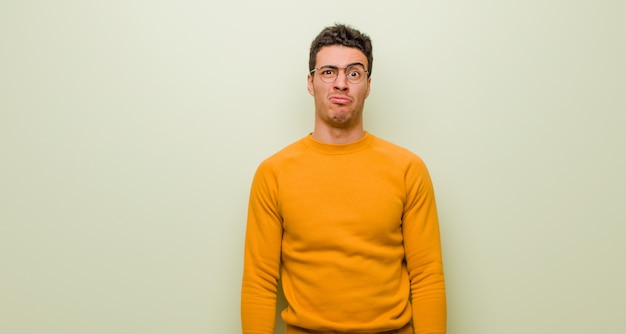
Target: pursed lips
340 99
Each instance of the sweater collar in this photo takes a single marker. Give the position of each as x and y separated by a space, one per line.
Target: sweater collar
348 148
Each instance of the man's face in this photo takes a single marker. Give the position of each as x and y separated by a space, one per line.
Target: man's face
339 104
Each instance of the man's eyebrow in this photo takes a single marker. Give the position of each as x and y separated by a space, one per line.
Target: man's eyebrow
351 64
355 63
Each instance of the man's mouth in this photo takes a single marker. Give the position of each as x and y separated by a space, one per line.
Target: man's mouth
340 99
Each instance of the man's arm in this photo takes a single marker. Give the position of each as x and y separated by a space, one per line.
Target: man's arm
261 256
423 252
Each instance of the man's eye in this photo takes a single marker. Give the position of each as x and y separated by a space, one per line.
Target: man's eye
328 72
354 73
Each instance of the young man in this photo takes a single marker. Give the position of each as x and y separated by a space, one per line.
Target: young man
346 220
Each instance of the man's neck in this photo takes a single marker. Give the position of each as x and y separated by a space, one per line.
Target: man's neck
337 135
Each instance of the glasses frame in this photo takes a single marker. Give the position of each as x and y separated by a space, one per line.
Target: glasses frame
366 72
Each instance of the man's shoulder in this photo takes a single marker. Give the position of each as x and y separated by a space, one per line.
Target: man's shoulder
395 150
285 154
398 157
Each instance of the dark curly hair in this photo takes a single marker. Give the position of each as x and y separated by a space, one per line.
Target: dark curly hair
341 34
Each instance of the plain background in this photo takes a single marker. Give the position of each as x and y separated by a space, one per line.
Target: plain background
130 131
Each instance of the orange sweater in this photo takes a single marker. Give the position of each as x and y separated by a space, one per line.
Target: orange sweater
352 230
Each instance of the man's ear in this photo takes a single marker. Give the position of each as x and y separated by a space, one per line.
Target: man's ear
310 88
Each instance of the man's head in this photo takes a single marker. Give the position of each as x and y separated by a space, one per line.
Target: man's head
344 35
339 80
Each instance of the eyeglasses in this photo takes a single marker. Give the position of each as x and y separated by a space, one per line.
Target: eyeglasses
355 73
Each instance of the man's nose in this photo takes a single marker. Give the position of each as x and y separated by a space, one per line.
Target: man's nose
341 82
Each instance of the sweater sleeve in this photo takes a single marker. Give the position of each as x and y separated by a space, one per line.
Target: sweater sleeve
420 228
261 255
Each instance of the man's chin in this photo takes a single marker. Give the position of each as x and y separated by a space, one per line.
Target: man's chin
341 122
340 119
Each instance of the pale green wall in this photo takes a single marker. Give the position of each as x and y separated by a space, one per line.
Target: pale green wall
130 130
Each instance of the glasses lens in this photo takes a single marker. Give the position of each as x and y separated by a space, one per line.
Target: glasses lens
328 74
355 73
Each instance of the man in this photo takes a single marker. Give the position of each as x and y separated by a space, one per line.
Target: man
346 220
